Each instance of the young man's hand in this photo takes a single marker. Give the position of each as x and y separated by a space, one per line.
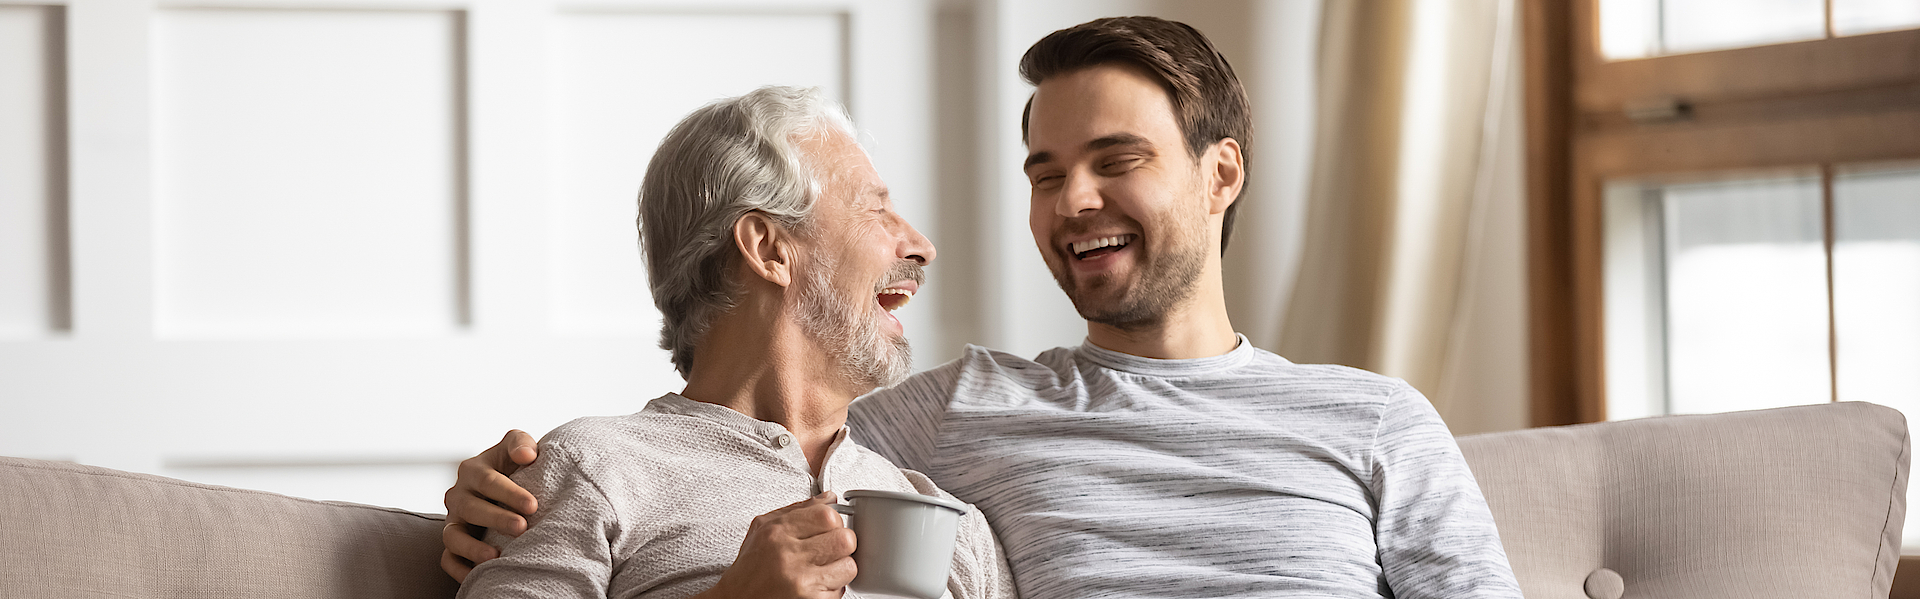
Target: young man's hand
482 498
802 551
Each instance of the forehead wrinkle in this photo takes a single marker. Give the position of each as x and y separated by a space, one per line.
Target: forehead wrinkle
873 191
1119 139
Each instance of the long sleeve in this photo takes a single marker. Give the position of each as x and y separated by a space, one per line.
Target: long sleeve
567 550
1436 536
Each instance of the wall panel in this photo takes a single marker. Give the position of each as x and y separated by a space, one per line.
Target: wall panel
621 80
309 173
33 217
330 247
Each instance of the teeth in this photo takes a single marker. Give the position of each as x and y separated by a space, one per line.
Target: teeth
1094 244
905 296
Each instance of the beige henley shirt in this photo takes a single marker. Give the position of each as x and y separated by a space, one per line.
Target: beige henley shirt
655 504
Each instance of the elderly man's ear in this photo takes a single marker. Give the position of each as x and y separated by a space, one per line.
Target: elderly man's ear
766 248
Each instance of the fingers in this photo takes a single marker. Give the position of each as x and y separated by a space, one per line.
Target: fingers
454 566
803 519
816 530
479 512
521 450
830 547
479 479
460 542
478 497
838 573
824 498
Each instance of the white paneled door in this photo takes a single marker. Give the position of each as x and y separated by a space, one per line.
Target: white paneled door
328 248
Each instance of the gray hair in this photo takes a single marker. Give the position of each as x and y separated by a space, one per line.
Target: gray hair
729 158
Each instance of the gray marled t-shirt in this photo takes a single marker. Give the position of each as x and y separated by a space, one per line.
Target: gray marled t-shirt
1241 475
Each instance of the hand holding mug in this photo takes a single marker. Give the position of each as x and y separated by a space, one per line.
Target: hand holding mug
800 550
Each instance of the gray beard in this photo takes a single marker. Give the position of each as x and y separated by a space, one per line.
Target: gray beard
853 339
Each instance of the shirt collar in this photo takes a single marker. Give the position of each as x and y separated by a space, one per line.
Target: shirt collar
1243 352
674 403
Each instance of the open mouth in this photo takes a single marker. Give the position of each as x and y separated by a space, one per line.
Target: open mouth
1094 248
893 298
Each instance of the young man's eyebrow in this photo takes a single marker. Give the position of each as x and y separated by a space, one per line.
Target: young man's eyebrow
1037 158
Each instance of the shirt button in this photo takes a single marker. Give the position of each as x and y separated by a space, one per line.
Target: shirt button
783 440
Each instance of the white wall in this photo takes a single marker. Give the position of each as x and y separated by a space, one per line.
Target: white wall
330 247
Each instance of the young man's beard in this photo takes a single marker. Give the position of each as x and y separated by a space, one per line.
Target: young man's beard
1163 280
850 335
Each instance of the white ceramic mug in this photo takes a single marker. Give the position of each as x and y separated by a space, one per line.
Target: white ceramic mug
903 541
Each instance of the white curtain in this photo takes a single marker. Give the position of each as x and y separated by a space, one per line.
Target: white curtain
1411 260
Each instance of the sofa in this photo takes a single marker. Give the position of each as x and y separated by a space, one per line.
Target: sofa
1803 502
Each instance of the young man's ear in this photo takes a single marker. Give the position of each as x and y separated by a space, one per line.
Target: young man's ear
1226 173
765 248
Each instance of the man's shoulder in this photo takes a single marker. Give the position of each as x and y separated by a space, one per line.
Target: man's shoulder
1293 386
1329 376
583 438
974 358
591 427
938 383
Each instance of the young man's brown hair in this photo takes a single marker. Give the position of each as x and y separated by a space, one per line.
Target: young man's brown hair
1208 100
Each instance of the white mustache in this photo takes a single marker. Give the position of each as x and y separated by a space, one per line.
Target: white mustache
904 270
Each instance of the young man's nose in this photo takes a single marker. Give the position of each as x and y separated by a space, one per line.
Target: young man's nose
1079 194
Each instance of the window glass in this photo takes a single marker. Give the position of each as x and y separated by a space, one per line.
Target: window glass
1746 295
1635 298
1644 28
1876 285
1629 28
1700 25
1853 17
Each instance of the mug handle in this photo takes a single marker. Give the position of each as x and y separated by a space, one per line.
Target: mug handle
844 509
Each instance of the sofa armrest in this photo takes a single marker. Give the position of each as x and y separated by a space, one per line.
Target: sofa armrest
1803 502
73 530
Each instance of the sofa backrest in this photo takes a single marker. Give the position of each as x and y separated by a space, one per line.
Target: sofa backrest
68 530
1804 502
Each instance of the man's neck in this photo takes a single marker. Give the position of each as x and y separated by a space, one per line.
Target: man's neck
1195 328
780 378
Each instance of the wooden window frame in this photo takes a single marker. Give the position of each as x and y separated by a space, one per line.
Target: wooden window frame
1838 100
1846 99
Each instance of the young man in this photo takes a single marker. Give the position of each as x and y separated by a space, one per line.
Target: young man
774 250
1164 457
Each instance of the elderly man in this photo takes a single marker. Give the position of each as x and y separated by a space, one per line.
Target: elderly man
1165 456
775 254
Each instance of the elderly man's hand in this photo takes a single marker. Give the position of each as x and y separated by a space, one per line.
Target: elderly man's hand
482 498
802 551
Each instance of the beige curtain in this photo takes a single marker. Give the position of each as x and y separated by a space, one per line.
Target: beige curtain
1411 261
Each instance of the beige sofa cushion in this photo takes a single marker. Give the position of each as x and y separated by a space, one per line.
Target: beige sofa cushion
1804 502
68 530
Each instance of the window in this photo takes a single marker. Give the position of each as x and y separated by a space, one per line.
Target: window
1763 290
1724 206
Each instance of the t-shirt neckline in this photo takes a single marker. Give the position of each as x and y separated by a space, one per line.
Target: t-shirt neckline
1241 354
